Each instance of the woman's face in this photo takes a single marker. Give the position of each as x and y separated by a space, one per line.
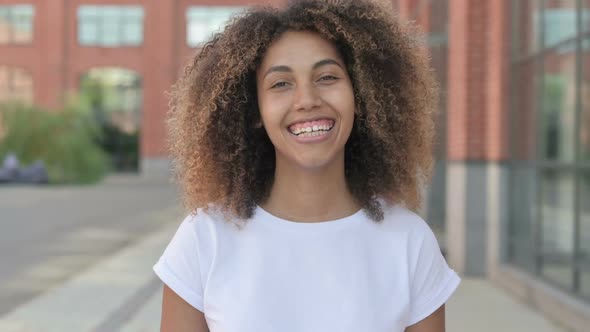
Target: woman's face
306 100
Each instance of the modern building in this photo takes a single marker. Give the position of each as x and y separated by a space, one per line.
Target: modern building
511 190
514 153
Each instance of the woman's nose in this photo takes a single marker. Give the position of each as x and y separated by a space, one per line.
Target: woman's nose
306 97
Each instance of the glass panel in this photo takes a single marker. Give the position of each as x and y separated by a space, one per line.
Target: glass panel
559 22
584 134
522 216
524 114
87 32
585 15
23 29
134 13
16 24
132 33
22 23
23 10
558 100
112 12
526 28
5 25
110 26
197 32
584 234
110 31
202 22
557 215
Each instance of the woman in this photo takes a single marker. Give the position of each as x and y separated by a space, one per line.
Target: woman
301 139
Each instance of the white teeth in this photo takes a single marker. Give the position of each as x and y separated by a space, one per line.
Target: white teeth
312 134
315 130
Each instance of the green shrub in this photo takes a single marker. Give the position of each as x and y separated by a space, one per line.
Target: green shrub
65 140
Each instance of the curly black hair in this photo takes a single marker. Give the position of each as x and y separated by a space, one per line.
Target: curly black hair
222 157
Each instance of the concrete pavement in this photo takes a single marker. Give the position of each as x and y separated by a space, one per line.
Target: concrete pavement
50 233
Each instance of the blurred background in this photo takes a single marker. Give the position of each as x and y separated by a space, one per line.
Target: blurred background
87 206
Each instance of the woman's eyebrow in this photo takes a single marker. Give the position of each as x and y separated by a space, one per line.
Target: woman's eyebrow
326 62
287 69
284 69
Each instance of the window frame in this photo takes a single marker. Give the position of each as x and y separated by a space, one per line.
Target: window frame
132 15
13 21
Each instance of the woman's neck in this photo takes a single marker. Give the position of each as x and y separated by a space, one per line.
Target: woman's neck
310 195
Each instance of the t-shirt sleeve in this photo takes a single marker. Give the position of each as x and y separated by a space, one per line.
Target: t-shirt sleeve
179 266
432 282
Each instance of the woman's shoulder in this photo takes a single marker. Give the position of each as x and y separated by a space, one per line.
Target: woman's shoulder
209 219
400 218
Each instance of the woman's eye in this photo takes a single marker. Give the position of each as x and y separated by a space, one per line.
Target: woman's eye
279 85
328 78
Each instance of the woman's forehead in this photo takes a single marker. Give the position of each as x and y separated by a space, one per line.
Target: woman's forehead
299 48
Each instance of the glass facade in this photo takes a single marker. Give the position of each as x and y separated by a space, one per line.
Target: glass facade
549 228
202 22
15 84
110 26
16 24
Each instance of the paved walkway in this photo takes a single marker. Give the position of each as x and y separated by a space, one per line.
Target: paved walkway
50 233
480 306
122 294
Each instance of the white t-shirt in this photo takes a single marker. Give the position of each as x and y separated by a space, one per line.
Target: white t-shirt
350 274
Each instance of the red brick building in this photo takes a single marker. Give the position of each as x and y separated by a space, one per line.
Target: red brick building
44 52
511 189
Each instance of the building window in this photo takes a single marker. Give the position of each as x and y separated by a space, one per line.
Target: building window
203 22
550 113
16 24
15 84
110 26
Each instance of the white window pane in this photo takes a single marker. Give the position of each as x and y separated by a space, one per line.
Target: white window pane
203 22
87 11
22 32
113 25
16 23
87 33
132 34
110 32
112 12
23 10
5 26
22 24
197 32
134 12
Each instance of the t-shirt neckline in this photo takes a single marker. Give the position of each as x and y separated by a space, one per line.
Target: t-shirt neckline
266 217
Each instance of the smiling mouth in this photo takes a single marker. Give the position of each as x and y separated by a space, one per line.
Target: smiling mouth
312 128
